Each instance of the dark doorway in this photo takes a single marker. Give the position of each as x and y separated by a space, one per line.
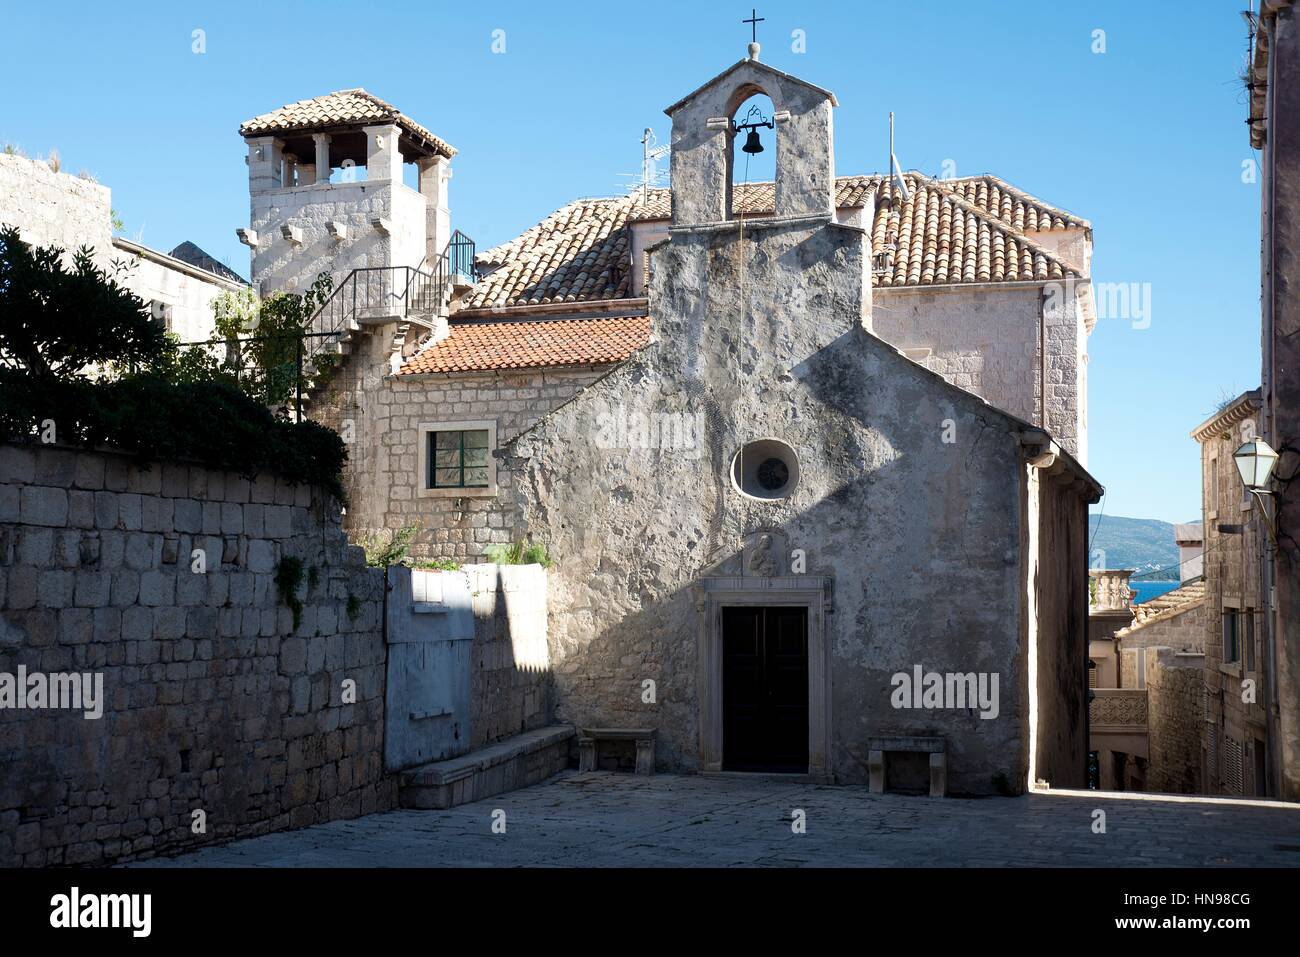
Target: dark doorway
765 689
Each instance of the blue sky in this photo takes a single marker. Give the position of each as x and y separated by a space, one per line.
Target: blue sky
1146 139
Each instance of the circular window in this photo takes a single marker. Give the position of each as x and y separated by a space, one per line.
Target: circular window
766 469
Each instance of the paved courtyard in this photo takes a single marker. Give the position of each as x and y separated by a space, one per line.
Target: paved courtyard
610 820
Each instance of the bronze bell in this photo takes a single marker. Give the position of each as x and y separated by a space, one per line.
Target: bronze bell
752 143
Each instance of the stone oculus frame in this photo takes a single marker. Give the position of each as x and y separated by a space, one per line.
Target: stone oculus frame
764 552
422 489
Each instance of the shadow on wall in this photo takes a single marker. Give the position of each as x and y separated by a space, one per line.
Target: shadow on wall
922 541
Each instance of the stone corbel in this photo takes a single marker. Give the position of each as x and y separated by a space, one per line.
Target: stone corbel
718 123
382 226
337 230
248 237
292 233
781 116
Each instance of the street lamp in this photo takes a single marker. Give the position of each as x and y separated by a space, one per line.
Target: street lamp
1255 461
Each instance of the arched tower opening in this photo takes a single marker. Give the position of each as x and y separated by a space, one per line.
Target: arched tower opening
752 152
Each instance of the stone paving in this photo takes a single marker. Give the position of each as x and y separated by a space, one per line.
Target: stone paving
615 820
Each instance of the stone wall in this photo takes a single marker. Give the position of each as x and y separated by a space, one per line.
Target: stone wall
279 264
1232 572
986 340
896 519
510 672
385 475
1184 632
186 289
1175 715
1059 597
214 699
55 209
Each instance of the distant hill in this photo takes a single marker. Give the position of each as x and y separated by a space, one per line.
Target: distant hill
1144 544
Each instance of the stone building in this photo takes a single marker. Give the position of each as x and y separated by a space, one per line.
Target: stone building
1237 680
971 278
52 208
1274 118
807 412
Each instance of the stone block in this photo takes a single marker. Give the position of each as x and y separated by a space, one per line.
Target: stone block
106 510
278 522
189 515
145 480
9 507
157 588
55 467
17 464
232 519
42 505
89 471
261 555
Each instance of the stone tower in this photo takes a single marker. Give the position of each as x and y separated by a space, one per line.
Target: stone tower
326 191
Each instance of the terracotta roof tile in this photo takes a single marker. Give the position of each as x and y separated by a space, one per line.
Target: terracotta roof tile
577 254
342 108
476 346
972 230
1166 606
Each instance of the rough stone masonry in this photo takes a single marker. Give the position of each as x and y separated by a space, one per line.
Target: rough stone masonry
222 715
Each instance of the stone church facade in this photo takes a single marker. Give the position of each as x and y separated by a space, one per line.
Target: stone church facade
788 444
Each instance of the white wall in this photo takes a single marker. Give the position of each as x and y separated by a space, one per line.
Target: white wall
55 209
278 264
189 291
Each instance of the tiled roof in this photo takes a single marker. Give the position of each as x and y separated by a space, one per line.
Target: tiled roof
475 346
940 237
1165 606
342 108
1014 207
577 254
972 230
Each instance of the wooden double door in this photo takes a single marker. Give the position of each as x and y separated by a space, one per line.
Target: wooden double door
765 688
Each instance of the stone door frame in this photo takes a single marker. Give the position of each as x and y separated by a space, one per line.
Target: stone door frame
812 593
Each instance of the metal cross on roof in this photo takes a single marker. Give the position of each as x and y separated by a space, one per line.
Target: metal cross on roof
753 21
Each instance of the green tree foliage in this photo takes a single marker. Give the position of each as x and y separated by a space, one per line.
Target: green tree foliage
57 322
150 397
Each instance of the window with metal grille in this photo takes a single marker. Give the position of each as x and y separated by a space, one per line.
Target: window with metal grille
458 459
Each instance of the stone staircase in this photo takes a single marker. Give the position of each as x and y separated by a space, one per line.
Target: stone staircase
417 300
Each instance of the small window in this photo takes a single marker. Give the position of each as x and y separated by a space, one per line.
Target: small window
1249 617
458 459
161 313
1231 636
767 469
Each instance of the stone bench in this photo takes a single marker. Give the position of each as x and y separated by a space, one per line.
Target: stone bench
588 744
877 748
518 762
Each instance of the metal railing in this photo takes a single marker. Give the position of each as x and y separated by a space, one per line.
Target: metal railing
375 292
